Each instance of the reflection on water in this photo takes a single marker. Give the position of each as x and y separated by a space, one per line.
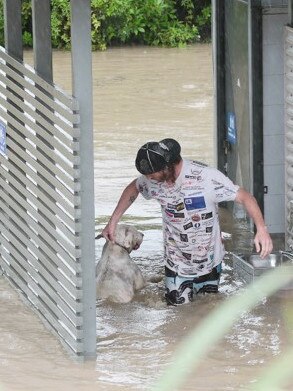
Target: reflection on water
143 94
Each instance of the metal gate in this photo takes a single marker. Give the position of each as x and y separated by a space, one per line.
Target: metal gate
40 197
46 176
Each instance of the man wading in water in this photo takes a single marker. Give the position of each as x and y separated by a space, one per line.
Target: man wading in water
189 193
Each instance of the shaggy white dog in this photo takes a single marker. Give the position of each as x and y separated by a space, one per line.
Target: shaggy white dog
117 276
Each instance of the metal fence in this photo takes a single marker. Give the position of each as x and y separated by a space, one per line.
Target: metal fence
289 132
40 197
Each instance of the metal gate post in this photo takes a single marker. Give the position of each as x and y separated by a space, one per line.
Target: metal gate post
290 13
82 90
41 14
218 39
256 100
13 31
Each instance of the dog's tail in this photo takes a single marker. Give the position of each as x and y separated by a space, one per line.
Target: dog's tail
100 236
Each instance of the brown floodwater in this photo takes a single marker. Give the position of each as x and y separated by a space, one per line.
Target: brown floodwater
143 94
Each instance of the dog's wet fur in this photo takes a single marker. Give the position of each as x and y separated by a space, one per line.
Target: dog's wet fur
117 275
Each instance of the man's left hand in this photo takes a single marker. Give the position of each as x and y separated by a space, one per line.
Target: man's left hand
263 242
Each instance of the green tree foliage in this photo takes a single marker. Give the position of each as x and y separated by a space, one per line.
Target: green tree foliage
117 22
27 34
60 23
150 22
195 13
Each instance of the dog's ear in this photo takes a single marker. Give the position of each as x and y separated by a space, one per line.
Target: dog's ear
128 239
136 239
119 235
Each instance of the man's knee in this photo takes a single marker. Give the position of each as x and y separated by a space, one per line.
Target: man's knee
175 297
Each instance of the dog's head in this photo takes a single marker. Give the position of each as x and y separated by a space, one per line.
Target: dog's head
128 237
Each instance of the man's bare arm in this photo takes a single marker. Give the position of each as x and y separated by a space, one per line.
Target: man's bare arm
127 198
263 242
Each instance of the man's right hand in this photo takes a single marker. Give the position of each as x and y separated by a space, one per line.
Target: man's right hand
109 231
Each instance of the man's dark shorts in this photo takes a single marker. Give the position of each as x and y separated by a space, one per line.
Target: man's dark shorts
181 290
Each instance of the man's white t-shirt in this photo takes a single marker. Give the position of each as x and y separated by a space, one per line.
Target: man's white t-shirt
192 236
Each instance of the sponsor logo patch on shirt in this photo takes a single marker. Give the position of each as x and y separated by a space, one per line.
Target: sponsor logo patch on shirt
199 260
183 238
206 216
180 206
179 215
194 203
187 226
186 255
195 217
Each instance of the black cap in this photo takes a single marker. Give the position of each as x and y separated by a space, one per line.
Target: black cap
155 156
